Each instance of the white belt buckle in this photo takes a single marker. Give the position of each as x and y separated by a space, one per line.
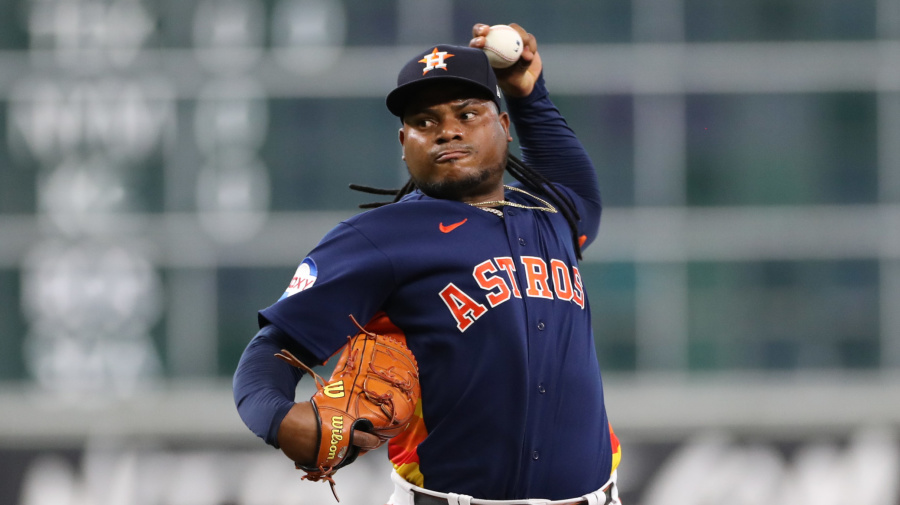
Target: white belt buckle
458 499
595 498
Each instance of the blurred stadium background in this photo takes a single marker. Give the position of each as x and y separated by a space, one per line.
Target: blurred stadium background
165 164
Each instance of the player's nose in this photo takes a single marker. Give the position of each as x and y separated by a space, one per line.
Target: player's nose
451 129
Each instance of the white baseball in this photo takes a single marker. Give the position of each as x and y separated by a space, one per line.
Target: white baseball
503 46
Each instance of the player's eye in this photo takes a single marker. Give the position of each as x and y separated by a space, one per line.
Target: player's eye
468 115
421 122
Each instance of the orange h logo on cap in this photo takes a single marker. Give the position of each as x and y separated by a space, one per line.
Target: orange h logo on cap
435 60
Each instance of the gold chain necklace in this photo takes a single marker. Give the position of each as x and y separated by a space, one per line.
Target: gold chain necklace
488 206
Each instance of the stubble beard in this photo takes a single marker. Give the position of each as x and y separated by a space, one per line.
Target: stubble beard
457 189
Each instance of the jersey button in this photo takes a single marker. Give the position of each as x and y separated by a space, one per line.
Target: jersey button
521 241
541 389
535 455
540 326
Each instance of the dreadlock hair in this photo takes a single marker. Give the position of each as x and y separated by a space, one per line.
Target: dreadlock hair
532 180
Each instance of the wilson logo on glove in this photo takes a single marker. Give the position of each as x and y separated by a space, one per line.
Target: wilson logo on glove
334 390
336 436
379 396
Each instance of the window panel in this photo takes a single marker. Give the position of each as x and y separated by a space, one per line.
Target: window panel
779 149
611 291
563 21
241 293
315 148
605 126
777 20
784 315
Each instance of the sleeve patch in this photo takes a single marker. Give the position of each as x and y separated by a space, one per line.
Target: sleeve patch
304 278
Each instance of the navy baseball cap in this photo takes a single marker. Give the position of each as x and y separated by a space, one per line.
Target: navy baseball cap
443 63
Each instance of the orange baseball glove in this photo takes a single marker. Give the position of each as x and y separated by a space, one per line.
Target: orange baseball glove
374 388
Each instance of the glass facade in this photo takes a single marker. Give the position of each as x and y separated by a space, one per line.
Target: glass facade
779 20
776 149
158 183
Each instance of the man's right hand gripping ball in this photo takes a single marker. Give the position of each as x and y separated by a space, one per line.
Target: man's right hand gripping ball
369 399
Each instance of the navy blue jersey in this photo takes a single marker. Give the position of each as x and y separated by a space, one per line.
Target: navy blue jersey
494 310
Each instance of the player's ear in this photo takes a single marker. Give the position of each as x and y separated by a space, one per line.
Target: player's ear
402 135
504 121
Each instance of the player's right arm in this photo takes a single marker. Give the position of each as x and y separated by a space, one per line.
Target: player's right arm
548 144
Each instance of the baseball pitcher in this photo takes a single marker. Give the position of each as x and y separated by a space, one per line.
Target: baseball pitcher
457 308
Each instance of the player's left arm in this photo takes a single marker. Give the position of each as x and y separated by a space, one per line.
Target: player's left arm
263 386
547 142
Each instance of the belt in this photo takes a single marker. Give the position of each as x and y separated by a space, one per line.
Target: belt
427 499
420 498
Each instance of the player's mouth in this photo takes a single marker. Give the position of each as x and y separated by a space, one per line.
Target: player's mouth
450 155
